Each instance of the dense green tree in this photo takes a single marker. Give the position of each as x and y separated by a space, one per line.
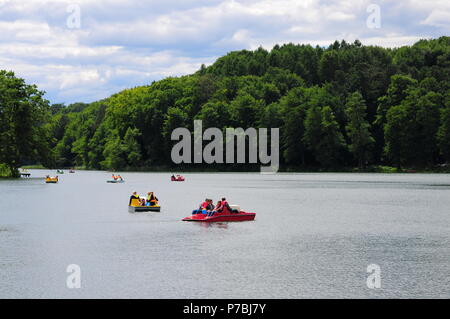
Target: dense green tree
323 137
284 80
361 140
329 65
444 133
114 153
398 117
175 118
293 111
245 111
412 126
396 93
214 114
24 134
131 147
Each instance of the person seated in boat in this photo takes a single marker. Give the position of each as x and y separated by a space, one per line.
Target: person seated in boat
225 208
215 209
152 200
210 206
134 196
120 177
203 208
114 177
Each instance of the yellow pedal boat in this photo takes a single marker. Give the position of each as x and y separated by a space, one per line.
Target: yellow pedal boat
136 207
51 180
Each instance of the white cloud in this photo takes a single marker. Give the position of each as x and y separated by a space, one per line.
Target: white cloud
124 44
438 18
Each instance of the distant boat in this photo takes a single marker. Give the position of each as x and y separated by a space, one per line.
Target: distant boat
177 178
51 180
71 171
25 173
136 207
139 209
116 179
235 215
113 181
60 171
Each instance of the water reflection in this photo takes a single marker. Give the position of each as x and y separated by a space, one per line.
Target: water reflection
313 237
221 225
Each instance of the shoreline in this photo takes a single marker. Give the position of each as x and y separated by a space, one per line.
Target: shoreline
287 170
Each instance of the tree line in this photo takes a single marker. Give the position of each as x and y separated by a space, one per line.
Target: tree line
343 106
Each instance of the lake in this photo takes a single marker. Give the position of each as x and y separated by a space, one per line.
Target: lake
313 237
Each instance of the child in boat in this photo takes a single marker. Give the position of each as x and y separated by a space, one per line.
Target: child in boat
204 206
209 207
216 209
152 200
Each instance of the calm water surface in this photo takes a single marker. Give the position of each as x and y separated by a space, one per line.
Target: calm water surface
313 237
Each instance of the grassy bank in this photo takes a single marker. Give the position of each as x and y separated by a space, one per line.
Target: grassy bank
4 171
33 167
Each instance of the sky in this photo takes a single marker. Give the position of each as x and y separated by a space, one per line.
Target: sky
86 50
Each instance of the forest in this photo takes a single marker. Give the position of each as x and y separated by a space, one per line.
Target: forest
345 107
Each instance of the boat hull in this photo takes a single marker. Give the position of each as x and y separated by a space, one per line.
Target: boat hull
219 217
115 182
141 209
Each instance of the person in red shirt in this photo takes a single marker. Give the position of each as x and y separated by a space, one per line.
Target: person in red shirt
225 207
203 207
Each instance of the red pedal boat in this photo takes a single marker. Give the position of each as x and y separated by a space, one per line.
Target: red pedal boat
221 217
177 178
